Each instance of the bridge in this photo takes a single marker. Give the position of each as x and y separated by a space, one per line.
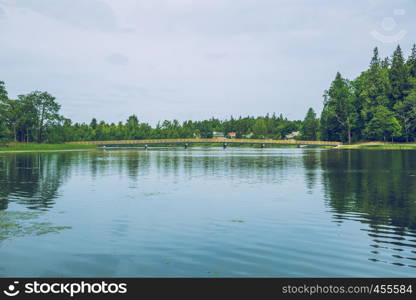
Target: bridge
223 141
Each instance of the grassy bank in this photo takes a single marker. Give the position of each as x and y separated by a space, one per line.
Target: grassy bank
380 146
31 147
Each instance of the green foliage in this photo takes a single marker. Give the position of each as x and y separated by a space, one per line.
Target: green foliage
310 126
380 104
399 78
407 114
339 109
29 117
3 112
259 128
383 125
42 112
411 63
377 105
35 118
3 92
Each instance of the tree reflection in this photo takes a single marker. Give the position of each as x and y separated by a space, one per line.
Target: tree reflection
32 179
377 188
311 165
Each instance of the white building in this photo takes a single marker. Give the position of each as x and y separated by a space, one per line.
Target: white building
292 135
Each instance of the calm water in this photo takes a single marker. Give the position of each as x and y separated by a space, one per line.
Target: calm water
208 212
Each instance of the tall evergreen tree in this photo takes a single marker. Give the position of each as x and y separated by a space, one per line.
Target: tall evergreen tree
3 92
399 78
375 60
3 111
407 114
371 89
94 123
339 108
310 126
411 63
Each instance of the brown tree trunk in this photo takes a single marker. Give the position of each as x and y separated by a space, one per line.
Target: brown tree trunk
349 135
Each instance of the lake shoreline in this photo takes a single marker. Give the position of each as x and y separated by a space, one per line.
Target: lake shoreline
378 146
32 147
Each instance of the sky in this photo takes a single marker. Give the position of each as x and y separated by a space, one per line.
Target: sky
190 60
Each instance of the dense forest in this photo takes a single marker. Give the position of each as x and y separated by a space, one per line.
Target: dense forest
380 104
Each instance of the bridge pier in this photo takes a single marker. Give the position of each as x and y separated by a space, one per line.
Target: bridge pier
224 146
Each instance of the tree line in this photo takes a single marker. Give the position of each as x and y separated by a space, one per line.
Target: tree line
35 118
380 104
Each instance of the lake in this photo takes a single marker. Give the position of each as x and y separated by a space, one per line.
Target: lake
208 212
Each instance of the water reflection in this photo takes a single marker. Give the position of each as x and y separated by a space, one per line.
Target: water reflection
208 162
311 164
32 179
261 211
378 189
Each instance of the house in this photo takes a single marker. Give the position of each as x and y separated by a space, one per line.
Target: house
231 135
217 134
248 136
292 135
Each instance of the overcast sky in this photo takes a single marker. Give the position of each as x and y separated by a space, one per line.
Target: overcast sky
185 59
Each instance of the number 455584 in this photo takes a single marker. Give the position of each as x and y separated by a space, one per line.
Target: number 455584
393 289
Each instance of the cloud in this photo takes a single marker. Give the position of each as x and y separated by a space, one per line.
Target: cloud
165 59
216 56
2 12
118 59
85 14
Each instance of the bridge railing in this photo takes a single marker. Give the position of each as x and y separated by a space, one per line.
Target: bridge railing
207 141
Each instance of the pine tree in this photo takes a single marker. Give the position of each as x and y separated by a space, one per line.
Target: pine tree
411 63
3 92
407 115
94 123
385 64
339 108
399 78
375 61
310 126
3 105
371 89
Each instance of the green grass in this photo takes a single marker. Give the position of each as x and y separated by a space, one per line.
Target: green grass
380 146
28 147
